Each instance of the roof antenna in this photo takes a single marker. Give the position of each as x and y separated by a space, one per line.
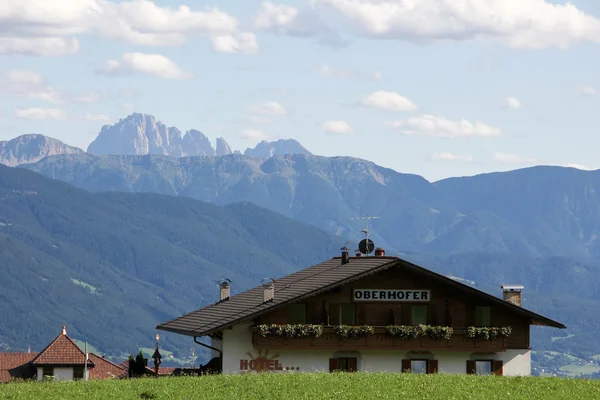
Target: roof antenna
366 245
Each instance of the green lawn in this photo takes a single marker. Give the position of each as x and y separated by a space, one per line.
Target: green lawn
311 386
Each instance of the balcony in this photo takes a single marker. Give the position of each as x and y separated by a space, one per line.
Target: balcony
380 340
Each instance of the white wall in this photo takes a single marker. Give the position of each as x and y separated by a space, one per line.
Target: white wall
60 374
217 344
237 343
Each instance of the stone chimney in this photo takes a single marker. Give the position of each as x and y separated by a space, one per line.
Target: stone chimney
345 255
380 251
224 290
268 290
512 294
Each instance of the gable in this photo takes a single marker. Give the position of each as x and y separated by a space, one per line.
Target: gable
62 351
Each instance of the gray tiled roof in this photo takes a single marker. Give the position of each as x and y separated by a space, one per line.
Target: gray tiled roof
307 283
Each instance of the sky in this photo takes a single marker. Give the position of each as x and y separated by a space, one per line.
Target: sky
437 88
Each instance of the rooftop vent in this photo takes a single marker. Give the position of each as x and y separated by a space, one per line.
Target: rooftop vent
268 289
512 294
345 255
224 289
380 251
357 253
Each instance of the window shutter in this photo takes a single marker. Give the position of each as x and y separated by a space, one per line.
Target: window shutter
405 365
352 365
471 367
497 367
333 364
432 366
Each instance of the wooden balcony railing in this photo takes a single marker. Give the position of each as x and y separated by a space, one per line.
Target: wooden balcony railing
381 340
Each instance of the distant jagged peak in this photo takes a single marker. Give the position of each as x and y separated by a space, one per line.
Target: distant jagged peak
222 147
31 148
266 149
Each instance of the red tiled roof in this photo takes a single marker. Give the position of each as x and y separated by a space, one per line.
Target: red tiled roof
105 369
16 366
62 351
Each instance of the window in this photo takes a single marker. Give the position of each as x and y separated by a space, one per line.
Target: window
78 373
347 364
485 367
420 366
419 315
483 316
47 371
297 313
347 314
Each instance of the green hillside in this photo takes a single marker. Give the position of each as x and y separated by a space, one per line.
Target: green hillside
111 266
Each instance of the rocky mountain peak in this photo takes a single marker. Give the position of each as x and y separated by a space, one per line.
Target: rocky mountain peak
223 148
31 148
280 147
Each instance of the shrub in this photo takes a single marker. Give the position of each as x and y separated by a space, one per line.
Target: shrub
353 332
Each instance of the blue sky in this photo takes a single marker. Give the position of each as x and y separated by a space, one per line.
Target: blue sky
431 87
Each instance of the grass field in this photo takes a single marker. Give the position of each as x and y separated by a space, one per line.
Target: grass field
311 386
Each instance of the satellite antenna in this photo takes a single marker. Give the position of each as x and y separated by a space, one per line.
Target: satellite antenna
366 246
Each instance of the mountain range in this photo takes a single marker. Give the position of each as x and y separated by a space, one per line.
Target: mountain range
537 226
113 265
139 134
538 212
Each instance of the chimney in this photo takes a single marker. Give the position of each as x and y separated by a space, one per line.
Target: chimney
345 255
512 294
380 251
64 330
224 289
268 290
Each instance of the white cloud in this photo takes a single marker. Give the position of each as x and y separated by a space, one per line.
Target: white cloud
31 85
40 113
287 20
391 101
269 108
589 90
578 166
452 157
337 127
440 127
530 24
235 43
506 158
512 103
38 46
253 134
152 64
50 27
